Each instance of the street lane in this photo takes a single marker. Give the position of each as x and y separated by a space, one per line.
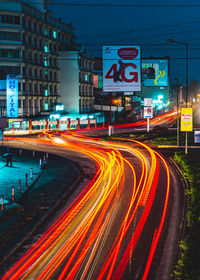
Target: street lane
109 231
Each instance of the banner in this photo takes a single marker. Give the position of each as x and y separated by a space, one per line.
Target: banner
186 119
121 68
12 96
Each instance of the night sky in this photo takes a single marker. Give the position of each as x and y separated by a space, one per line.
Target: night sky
148 26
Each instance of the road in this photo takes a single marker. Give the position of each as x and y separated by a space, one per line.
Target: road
115 227
112 229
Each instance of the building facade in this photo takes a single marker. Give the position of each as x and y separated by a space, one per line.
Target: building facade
30 42
76 82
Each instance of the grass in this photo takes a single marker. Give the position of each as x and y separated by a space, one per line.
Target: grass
188 266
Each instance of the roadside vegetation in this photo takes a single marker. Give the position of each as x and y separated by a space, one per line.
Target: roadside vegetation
188 267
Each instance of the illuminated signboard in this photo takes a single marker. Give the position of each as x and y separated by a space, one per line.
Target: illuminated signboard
12 96
121 68
186 119
155 72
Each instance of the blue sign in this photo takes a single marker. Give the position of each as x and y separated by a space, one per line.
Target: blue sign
155 72
197 136
12 96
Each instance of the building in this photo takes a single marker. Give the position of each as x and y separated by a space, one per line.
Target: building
30 42
76 82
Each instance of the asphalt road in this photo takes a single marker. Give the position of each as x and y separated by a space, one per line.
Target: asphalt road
118 224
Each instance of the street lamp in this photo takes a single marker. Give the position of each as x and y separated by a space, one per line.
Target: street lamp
186 79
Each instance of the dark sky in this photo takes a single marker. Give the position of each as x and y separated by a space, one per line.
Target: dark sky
148 26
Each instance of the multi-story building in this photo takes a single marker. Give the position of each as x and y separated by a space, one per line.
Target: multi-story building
30 42
76 82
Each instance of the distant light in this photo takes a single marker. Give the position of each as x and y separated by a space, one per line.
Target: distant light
55 116
60 107
59 141
84 118
160 97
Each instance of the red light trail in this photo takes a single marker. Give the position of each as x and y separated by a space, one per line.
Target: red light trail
98 234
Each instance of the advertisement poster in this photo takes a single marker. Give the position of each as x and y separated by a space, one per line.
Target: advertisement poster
197 136
186 119
155 72
148 112
12 96
121 68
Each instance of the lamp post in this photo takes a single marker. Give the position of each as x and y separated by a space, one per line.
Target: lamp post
186 80
177 106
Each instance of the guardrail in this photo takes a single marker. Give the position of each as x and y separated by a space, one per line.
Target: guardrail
37 126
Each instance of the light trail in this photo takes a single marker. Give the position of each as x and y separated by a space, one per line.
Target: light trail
94 238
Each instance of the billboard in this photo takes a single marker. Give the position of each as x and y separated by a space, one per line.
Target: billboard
186 119
12 96
155 72
197 136
121 68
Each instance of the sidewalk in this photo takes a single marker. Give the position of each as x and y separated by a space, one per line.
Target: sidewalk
10 176
54 184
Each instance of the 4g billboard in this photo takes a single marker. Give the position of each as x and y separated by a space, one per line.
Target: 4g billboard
121 68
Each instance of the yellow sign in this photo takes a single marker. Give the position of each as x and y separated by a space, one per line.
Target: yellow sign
186 119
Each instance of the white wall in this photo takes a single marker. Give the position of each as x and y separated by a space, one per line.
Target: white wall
69 81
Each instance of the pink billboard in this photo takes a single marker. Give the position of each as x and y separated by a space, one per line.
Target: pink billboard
121 68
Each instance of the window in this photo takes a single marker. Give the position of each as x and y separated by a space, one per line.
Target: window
45 61
24 71
16 20
46 74
46 48
40 28
45 31
30 72
10 36
11 53
54 34
46 92
55 76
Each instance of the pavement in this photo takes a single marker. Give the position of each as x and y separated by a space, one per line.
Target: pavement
10 176
35 203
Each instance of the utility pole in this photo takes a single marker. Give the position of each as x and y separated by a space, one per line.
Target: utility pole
177 107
